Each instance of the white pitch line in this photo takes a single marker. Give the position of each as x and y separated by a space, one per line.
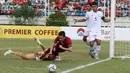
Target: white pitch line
82 66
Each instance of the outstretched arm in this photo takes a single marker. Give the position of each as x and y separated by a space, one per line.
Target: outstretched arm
105 20
51 48
66 49
80 20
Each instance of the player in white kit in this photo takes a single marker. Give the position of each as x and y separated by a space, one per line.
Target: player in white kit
94 18
89 5
86 33
87 41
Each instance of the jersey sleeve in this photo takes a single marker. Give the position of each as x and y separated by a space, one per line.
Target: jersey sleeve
56 40
101 14
86 16
69 43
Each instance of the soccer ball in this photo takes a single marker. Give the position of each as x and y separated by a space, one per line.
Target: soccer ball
52 68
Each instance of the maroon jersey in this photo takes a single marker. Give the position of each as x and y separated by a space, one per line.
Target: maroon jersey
66 43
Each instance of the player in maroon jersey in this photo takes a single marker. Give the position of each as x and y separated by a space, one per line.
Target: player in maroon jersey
62 43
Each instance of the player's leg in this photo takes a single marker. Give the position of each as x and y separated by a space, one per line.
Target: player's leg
38 55
58 58
84 38
13 52
98 47
91 39
92 49
87 42
39 43
49 57
20 54
54 56
86 33
45 52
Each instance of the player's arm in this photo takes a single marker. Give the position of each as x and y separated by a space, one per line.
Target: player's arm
105 20
66 49
82 20
69 46
51 48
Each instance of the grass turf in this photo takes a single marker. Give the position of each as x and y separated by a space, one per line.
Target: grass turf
79 56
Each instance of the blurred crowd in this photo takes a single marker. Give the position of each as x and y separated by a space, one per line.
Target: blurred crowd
123 8
70 7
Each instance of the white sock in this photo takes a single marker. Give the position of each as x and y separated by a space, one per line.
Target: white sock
91 49
98 49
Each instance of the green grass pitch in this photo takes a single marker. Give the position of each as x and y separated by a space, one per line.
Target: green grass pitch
79 56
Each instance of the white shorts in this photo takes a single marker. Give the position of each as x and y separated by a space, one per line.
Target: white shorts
86 33
88 43
94 35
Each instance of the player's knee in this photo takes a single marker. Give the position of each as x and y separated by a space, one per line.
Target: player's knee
84 38
91 44
98 43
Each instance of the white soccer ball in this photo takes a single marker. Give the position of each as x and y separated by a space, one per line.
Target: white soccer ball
52 68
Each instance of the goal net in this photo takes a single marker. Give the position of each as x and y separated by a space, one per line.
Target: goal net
120 28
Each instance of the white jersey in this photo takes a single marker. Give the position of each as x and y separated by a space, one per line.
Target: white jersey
88 12
86 33
94 21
